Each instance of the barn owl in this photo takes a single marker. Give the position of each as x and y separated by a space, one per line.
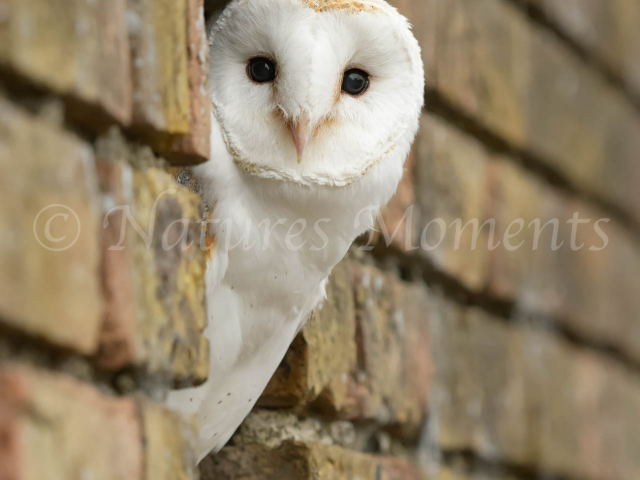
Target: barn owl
316 104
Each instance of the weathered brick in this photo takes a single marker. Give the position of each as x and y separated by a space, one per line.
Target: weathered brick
524 85
158 37
591 291
367 363
273 427
118 346
607 29
394 363
169 441
602 285
194 147
482 63
323 356
154 275
531 265
398 219
451 174
583 128
53 427
49 218
76 49
297 461
518 395
463 469
524 269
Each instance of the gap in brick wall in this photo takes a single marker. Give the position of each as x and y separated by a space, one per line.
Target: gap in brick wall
437 105
212 7
19 348
73 117
537 15
53 109
474 464
415 268
85 121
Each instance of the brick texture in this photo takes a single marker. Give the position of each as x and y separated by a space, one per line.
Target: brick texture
515 393
398 220
522 84
48 284
392 377
194 147
319 364
294 461
363 355
460 181
461 469
76 49
160 68
605 28
54 427
169 444
511 359
154 275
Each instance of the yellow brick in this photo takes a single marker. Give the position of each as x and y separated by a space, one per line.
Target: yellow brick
49 270
74 48
608 29
169 444
158 36
298 461
156 309
522 84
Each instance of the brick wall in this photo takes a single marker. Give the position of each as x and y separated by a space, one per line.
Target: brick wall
97 319
442 353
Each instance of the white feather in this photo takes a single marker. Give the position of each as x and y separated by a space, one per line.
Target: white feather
262 288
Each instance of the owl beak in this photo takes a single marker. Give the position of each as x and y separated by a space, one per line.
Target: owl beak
301 133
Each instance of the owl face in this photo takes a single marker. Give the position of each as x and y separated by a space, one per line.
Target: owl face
315 91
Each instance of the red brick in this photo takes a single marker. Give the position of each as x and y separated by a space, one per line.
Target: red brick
118 346
52 426
76 49
45 173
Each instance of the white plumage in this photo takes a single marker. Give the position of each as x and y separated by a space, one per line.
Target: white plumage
299 167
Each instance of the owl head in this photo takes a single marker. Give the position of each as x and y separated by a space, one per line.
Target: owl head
315 91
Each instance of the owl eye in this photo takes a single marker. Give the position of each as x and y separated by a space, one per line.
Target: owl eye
355 82
261 70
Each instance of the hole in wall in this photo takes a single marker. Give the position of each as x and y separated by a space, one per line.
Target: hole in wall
213 7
